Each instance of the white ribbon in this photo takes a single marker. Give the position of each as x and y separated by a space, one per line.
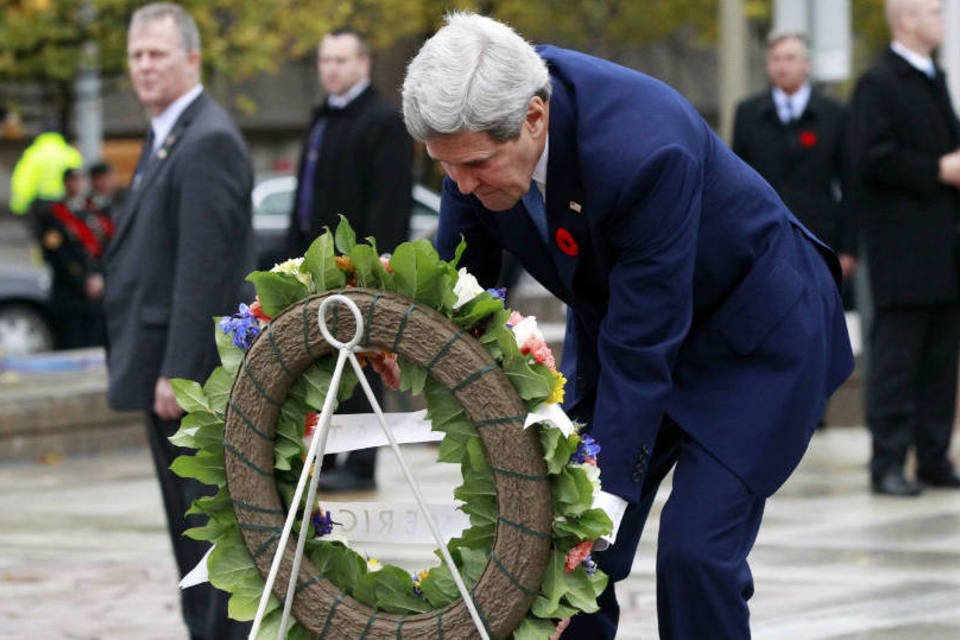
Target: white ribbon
197 575
350 432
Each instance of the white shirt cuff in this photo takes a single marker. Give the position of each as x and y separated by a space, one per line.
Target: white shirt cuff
614 506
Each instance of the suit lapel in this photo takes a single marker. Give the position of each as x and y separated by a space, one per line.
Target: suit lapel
157 166
768 109
567 230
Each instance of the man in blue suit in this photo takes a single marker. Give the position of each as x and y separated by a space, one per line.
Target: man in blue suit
705 330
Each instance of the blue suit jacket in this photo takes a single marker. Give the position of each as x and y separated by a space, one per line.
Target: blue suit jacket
693 292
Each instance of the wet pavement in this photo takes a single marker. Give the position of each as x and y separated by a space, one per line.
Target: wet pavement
83 552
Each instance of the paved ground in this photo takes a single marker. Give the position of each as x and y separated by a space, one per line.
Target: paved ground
83 554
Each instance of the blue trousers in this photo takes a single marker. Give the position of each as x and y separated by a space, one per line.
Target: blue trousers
707 528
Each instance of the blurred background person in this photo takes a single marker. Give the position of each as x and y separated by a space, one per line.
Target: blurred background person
39 171
793 136
182 248
103 188
73 241
904 138
357 161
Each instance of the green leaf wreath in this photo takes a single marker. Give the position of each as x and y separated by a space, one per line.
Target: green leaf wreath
571 583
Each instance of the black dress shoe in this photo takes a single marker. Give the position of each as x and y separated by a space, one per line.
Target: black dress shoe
894 484
340 480
945 480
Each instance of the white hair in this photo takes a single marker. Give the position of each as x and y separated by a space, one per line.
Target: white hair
474 74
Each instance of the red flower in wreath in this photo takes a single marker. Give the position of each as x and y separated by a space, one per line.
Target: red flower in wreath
565 241
808 139
310 423
256 310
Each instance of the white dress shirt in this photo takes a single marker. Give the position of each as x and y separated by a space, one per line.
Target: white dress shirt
791 107
163 123
920 62
341 101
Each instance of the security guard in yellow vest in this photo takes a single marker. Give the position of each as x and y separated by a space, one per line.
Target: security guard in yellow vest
39 172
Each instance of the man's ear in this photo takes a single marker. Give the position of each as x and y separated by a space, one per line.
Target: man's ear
538 117
193 57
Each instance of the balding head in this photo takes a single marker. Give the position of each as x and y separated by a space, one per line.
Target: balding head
917 24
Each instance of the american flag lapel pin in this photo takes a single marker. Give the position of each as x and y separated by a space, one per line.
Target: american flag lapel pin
575 207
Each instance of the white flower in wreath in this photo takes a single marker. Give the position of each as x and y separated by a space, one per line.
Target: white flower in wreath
527 330
466 289
292 267
593 475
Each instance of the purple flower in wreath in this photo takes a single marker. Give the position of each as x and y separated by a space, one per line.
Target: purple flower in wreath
418 579
499 294
242 327
587 451
322 522
589 565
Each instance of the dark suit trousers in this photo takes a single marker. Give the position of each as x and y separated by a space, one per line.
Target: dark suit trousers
912 386
707 528
204 607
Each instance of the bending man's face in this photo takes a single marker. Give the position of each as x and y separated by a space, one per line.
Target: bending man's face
497 173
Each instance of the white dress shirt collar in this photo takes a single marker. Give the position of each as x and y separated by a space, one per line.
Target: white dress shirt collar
341 101
798 102
540 171
163 123
922 63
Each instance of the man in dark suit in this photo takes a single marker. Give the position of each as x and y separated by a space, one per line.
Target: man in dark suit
356 161
705 329
793 136
181 249
904 139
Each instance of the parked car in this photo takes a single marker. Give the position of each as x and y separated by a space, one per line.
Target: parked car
273 202
25 323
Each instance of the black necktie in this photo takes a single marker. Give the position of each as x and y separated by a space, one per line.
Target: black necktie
146 155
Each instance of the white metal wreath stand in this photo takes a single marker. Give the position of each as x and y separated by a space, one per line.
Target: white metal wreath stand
311 469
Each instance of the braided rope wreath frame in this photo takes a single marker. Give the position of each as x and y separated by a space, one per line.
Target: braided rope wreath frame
522 539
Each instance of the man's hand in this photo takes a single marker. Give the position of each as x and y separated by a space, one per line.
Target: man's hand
848 264
93 286
950 169
164 402
561 626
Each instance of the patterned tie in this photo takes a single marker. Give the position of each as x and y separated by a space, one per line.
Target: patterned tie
533 202
305 201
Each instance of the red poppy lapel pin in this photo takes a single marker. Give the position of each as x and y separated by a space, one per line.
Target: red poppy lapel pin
808 139
566 243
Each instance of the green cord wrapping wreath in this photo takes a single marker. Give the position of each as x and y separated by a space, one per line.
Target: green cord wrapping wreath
528 492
